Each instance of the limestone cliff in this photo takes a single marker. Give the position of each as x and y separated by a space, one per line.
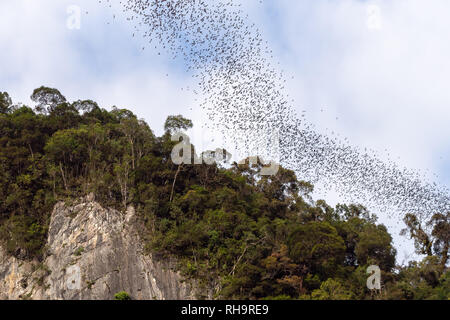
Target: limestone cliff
92 253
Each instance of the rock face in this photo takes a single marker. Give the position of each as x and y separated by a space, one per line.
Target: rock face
93 253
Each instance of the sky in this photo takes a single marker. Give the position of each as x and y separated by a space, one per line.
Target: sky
375 72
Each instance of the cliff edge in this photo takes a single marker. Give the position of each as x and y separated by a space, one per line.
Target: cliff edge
92 253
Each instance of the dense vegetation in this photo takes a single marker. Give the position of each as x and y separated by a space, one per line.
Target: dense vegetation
243 234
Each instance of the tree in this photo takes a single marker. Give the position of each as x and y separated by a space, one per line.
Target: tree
85 106
122 172
5 103
422 240
177 123
374 247
436 241
317 246
47 99
68 150
247 235
331 289
285 275
441 234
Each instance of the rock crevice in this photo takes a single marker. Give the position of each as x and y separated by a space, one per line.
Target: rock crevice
93 253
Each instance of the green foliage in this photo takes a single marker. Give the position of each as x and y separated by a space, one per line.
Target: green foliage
47 99
25 233
331 290
78 252
250 236
177 123
5 102
318 246
423 280
122 295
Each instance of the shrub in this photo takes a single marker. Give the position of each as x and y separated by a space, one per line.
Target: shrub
122 295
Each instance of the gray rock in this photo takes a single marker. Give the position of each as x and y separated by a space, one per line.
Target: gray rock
93 253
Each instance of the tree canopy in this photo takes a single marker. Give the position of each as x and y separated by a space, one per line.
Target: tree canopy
246 235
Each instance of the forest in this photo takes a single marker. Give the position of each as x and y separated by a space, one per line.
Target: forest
246 235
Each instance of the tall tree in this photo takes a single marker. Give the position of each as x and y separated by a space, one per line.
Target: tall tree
5 102
47 99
